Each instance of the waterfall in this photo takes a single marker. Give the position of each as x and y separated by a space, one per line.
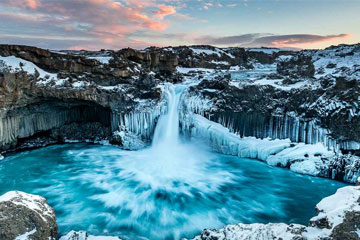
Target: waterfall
167 129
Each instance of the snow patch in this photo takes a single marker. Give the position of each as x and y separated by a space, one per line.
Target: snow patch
26 235
18 64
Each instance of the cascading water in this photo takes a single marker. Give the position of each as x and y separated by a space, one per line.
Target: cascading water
167 130
173 189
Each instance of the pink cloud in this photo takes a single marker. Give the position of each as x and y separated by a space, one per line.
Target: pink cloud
32 3
104 21
164 11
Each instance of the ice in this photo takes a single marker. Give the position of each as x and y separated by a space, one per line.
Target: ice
138 123
299 157
222 140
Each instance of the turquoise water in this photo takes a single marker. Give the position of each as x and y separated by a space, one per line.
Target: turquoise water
108 191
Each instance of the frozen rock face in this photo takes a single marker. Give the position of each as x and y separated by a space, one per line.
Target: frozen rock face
25 216
312 98
338 218
48 97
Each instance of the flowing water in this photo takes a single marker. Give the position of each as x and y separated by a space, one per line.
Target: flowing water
171 190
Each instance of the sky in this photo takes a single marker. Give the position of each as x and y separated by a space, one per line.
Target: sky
115 24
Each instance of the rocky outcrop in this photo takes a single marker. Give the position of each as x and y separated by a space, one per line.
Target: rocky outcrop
338 218
44 96
297 66
26 216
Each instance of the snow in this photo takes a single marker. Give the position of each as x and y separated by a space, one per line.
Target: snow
217 51
331 209
80 84
220 62
255 231
306 158
284 58
102 60
82 235
14 64
26 235
334 207
200 51
184 70
344 58
32 202
278 84
264 50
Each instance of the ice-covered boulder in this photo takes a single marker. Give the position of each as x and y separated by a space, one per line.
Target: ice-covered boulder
82 235
26 217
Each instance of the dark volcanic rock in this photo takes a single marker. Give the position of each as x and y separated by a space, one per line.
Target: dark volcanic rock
298 66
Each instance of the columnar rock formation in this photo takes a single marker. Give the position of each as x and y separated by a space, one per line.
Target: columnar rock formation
308 96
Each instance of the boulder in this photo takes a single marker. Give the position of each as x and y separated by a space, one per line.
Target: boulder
26 216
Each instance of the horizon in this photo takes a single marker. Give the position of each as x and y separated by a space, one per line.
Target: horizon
138 24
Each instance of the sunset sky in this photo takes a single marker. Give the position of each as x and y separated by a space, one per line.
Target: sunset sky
114 24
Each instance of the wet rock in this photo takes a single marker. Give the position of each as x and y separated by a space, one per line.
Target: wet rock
24 215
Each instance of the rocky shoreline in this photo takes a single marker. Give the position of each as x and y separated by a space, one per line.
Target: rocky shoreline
26 216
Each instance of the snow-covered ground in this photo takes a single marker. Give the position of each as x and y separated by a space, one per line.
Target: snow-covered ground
340 61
